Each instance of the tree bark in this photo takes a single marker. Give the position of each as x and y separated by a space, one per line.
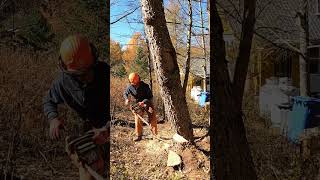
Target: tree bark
186 75
230 150
149 65
166 67
204 47
303 56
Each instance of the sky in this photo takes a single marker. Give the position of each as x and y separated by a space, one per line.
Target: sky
122 30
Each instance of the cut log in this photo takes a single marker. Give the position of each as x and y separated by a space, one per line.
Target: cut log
173 159
176 137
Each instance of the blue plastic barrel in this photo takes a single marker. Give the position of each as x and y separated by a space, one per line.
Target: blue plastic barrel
305 114
204 97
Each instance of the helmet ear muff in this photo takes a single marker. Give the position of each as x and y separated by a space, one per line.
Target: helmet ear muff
61 65
95 53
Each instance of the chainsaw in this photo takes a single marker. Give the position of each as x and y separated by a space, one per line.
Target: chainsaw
137 110
86 150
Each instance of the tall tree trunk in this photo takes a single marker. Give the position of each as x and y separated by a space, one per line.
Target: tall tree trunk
230 150
166 67
303 57
243 59
187 72
203 46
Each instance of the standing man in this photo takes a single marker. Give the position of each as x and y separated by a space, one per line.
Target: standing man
143 96
82 85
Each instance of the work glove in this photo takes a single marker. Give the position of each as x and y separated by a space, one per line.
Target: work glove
142 104
150 109
126 102
55 126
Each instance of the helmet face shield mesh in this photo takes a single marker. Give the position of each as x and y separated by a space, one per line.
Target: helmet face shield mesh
72 72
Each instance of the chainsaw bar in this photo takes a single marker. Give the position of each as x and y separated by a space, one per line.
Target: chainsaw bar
85 148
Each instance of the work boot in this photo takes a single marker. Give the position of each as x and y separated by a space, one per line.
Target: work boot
138 138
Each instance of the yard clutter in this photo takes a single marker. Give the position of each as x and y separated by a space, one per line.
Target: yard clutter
204 99
281 101
305 114
292 114
195 93
199 96
265 95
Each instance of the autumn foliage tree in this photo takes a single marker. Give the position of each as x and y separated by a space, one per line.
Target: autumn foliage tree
135 54
115 52
130 51
116 61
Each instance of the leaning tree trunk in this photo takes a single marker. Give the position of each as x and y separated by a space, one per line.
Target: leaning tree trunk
149 66
243 59
166 67
230 149
187 72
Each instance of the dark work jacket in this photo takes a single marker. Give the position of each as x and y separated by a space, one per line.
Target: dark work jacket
91 102
142 93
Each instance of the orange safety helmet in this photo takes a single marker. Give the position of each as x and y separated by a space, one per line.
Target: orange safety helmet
76 53
134 78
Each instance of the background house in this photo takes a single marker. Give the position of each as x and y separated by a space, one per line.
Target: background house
197 72
277 34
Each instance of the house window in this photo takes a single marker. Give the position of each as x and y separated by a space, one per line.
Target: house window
314 63
283 68
198 82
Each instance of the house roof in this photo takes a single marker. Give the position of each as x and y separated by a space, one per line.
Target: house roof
196 66
275 19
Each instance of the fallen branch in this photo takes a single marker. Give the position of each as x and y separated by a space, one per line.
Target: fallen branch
47 162
274 171
93 173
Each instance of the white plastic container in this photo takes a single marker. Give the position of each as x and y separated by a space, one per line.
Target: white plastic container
285 81
195 92
284 115
275 116
280 117
265 96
